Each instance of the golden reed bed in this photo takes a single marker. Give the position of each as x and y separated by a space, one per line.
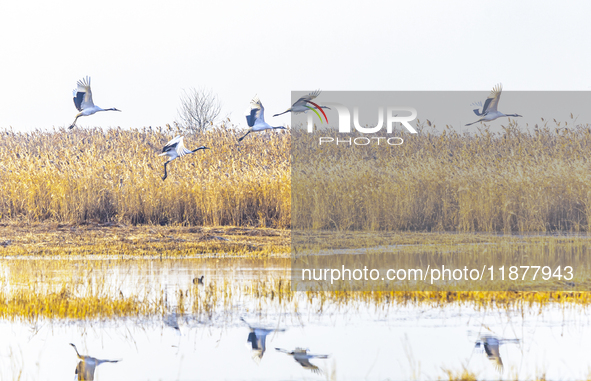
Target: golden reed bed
515 180
115 175
509 181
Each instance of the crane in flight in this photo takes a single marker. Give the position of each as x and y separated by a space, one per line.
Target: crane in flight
256 118
87 365
83 101
489 110
301 105
302 357
176 148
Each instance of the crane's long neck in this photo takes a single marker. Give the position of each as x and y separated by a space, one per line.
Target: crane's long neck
284 112
513 115
78 354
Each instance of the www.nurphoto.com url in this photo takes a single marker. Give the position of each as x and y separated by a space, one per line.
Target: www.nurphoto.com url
441 273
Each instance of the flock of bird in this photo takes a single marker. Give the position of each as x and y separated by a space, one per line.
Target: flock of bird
257 338
176 148
256 119
256 122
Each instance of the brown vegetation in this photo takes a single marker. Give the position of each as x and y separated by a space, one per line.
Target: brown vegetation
113 175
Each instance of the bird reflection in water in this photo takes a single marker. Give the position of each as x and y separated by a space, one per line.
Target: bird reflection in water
490 345
87 365
302 357
258 340
172 320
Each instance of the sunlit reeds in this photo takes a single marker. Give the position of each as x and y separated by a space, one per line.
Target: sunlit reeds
114 175
515 180
440 180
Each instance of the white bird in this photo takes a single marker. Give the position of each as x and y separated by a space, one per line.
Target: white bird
301 105
83 101
87 365
176 148
302 356
256 118
491 348
489 111
258 339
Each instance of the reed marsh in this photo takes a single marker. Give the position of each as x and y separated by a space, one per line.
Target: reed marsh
516 180
92 236
113 175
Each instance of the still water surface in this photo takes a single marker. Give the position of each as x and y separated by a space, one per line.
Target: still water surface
363 341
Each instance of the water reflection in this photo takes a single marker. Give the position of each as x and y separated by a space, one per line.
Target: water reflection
398 341
87 365
302 357
490 346
258 339
415 342
172 320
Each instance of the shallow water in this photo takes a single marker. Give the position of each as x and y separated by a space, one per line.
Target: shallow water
363 341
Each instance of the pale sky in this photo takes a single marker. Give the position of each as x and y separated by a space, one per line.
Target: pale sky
142 54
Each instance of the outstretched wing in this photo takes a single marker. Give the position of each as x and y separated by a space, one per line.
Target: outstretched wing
251 118
492 101
305 363
85 371
492 351
172 143
83 95
257 112
253 340
181 149
78 98
477 109
303 100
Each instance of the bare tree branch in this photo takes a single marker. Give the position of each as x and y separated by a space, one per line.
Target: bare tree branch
199 109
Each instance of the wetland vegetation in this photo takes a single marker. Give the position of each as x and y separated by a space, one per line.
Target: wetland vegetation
92 240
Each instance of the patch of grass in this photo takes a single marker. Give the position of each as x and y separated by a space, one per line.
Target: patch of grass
116 240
